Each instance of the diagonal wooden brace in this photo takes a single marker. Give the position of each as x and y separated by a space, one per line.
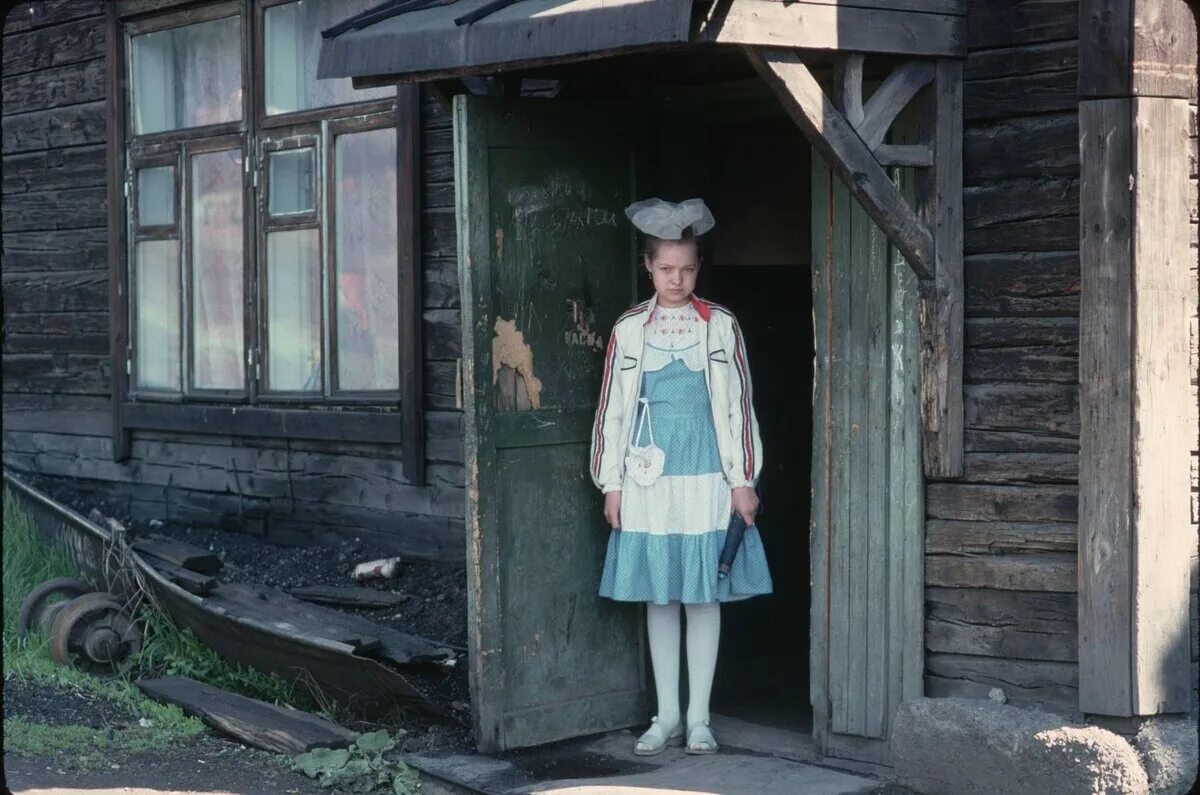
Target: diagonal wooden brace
929 237
834 137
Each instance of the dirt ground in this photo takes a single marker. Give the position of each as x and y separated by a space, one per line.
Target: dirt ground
205 762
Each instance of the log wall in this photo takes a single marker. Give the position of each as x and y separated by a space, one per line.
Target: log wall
1001 541
56 360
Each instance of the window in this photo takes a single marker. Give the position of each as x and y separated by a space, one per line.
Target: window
263 260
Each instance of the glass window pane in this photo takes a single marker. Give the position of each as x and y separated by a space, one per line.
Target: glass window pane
293 43
368 329
156 286
291 175
156 196
216 234
294 310
187 76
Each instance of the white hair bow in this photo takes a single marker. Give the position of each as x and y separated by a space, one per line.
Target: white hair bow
667 220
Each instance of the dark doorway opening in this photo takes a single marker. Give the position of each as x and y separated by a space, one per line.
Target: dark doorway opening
730 145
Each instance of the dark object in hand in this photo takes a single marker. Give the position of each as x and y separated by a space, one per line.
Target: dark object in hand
733 540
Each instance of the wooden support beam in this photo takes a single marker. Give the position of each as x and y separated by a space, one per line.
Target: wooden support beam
904 155
1135 405
844 27
829 132
850 83
939 198
890 98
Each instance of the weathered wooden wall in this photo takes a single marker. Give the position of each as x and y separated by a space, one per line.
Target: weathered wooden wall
56 362
1001 541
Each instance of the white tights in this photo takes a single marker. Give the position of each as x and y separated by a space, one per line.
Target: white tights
703 636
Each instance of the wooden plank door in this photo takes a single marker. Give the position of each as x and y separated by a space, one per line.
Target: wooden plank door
546 264
867 511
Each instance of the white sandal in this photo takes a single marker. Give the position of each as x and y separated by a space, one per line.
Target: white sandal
656 739
700 739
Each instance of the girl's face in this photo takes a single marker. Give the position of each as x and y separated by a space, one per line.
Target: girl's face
673 271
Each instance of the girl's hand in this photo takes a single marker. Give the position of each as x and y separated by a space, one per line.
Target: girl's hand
612 509
745 502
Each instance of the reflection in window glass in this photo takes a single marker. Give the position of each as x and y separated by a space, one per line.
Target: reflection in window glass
368 333
291 181
187 76
217 330
156 196
156 285
294 311
293 43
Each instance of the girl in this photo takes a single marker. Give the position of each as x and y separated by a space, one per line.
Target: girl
676 450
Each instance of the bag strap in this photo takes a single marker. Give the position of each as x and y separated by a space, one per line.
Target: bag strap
643 420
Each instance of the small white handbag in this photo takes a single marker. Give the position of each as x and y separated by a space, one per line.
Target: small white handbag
644 464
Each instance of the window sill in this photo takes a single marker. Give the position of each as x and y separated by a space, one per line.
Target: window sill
337 425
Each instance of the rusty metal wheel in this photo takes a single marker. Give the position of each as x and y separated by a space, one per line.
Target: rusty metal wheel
94 634
43 602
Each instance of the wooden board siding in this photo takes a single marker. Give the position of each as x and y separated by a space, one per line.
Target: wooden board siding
57 372
1000 544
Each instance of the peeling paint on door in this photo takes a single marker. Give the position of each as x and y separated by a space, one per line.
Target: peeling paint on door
509 350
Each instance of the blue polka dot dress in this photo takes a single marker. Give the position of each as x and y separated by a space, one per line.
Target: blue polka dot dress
673 530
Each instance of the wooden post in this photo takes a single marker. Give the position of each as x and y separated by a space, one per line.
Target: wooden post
939 201
1134 534
408 233
118 300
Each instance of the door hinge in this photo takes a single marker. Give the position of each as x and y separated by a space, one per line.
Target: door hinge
252 168
129 361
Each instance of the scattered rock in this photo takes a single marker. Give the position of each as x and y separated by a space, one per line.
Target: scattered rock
997 694
1168 749
1002 748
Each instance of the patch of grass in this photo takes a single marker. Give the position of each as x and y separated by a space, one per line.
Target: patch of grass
81 744
166 650
170 651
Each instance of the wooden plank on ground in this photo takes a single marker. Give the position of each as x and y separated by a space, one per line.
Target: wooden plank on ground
188 580
256 723
181 554
347 596
289 614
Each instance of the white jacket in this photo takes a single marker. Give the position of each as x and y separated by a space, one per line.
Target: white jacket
729 390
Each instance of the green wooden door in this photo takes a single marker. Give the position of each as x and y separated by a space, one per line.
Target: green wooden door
546 264
867 510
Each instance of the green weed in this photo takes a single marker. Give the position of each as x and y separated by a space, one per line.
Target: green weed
364 767
168 650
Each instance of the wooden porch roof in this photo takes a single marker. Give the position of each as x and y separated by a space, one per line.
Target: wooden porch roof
431 39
